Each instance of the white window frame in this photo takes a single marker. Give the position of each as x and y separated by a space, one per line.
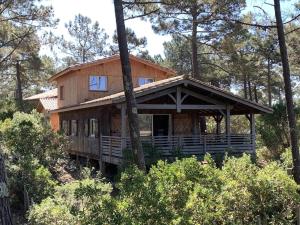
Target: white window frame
93 130
146 80
98 86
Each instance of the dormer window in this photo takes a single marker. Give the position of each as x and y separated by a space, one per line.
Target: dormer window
98 83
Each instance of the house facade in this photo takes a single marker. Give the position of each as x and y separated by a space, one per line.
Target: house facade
92 111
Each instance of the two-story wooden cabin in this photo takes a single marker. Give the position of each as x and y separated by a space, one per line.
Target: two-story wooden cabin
92 111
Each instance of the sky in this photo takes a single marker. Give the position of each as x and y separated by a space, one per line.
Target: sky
103 12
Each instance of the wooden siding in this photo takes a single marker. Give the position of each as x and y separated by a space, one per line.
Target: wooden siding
86 145
54 121
76 83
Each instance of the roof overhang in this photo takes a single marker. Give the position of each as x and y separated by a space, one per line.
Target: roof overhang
162 85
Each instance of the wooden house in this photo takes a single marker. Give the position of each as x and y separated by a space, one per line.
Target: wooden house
92 111
44 103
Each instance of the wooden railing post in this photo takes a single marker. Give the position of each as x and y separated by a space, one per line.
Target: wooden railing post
228 125
204 144
110 149
253 135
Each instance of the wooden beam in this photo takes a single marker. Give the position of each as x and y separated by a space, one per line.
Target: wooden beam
202 97
173 106
229 96
178 99
172 97
184 97
155 95
156 106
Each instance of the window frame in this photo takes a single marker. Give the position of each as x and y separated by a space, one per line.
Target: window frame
65 127
86 127
98 77
61 92
93 127
74 132
144 78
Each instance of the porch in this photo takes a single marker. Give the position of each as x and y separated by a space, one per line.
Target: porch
171 146
176 106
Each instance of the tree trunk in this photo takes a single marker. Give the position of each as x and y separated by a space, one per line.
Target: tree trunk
19 94
245 87
132 113
269 83
249 88
195 66
255 94
288 92
5 214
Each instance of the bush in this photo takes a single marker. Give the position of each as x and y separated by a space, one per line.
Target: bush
32 149
72 203
29 136
188 192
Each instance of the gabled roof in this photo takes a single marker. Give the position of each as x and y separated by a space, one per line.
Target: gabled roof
48 99
110 59
49 104
46 94
160 85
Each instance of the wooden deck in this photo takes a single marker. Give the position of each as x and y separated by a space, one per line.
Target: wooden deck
112 146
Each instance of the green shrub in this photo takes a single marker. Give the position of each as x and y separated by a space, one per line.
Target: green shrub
29 136
189 192
32 149
72 203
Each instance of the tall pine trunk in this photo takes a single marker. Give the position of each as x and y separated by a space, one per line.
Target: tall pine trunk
269 83
288 92
132 113
5 213
19 94
195 66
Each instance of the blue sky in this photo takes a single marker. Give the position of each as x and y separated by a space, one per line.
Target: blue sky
103 12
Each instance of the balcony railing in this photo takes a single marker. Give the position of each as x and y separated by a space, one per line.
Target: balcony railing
112 146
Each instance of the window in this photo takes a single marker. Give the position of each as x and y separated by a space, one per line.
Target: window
93 127
61 92
143 80
74 128
86 127
65 127
145 121
98 83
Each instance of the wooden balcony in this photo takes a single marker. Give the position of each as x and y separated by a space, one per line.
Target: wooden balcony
112 146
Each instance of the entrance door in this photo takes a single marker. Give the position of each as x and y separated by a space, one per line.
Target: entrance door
160 125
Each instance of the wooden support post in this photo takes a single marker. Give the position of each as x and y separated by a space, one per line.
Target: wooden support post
100 161
252 131
123 127
178 99
228 124
218 120
204 144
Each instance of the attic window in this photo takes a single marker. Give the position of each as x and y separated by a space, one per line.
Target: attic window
143 80
61 92
98 83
